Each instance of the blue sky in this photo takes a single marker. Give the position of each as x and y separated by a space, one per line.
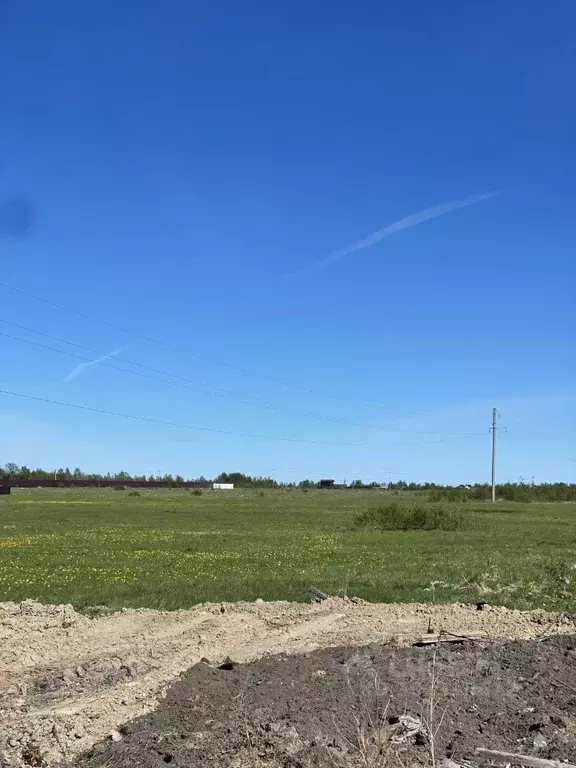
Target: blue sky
211 175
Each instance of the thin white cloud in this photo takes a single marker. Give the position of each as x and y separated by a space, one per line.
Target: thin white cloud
82 367
408 221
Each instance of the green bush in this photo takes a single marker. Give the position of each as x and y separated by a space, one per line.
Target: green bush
396 517
119 487
134 493
196 492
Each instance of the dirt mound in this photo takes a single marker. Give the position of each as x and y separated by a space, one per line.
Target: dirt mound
67 681
340 707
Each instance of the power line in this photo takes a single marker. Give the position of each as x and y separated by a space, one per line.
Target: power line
173 347
252 401
365 471
151 420
172 423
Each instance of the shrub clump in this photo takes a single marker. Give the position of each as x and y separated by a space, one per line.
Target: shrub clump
134 493
397 517
196 492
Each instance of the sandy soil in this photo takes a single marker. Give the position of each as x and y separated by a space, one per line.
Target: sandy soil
67 681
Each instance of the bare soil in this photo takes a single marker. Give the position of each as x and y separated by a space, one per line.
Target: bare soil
350 707
68 682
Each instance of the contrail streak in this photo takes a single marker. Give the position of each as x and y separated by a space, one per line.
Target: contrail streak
408 221
79 368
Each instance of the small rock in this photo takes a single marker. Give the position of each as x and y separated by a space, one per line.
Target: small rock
12 742
80 671
540 742
320 673
407 727
115 736
259 601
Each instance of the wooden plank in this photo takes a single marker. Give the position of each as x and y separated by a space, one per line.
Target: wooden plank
510 757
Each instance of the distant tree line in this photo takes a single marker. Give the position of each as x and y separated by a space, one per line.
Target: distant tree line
506 492
482 491
13 471
478 492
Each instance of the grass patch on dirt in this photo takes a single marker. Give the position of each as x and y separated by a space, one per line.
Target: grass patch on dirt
170 549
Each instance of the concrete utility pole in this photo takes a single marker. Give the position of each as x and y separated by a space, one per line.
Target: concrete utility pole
493 430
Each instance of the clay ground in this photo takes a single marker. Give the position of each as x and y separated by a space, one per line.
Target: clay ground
68 682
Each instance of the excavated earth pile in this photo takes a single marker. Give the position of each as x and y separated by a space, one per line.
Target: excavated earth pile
352 707
70 685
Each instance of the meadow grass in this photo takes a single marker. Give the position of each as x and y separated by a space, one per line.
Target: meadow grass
171 549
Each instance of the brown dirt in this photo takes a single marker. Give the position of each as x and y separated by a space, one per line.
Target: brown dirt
341 707
67 681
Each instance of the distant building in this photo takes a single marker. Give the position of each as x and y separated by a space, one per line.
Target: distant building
223 486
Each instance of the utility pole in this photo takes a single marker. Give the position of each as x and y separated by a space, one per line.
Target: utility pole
493 430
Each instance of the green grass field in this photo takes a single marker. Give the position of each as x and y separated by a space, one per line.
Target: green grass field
171 549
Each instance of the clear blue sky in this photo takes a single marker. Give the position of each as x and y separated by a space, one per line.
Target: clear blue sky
201 173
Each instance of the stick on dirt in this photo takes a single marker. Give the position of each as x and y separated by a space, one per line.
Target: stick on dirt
510 757
445 638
